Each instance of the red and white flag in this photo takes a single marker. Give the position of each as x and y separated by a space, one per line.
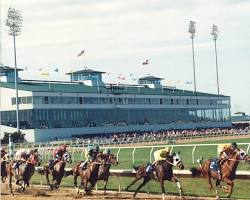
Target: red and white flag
80 54
145 62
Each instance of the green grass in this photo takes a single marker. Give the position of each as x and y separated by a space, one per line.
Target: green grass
196 187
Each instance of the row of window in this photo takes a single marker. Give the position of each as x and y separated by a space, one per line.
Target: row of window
116 100
58 118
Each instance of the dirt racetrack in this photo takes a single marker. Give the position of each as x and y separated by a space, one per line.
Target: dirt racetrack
35 193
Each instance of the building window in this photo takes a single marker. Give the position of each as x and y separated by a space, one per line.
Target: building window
46 100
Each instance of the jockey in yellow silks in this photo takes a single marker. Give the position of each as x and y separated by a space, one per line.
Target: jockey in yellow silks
223 152
161 154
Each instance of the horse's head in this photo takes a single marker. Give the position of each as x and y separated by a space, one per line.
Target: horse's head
242 155
177 161
67 158
112 159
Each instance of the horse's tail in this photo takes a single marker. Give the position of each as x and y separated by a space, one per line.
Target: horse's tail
136 168
196 171
68 173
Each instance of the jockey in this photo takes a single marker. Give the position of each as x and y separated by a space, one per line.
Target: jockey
57 155
3 152
161 154
224 151
90 154
22 156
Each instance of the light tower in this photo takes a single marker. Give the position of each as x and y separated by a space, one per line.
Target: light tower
191 30
214 33
14 22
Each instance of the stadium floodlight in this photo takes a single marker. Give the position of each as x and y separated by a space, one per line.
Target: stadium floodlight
191 30
214 33
14 22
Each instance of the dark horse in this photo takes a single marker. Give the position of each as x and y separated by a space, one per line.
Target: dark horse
228 171
57 172
89 175
26 170
4 161
163 171
104 173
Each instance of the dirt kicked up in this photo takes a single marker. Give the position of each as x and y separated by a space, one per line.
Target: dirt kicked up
69 194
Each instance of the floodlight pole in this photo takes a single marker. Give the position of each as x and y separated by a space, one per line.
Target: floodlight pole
191 30
14 22
214 33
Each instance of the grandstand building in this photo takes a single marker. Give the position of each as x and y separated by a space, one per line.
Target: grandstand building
86 105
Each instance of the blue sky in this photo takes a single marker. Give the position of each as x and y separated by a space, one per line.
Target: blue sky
118 36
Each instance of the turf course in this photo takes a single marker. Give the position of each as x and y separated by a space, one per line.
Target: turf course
196 187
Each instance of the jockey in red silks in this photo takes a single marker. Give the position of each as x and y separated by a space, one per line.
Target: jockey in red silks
57 155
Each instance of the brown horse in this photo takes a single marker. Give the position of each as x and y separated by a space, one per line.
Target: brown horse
26 170
57 172
163 171
103 173
228 171
89 175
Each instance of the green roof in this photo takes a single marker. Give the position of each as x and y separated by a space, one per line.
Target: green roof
111 89
4 68
85 71
150 78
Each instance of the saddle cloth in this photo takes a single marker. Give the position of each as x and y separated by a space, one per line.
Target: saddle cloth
214 164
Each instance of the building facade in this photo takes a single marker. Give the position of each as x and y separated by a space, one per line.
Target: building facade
76 108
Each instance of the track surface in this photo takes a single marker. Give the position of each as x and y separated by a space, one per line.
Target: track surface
34 193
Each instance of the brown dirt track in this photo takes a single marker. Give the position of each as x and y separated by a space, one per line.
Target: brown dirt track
35 193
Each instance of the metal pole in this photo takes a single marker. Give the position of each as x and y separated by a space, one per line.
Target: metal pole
16 87
216 62
10 145
193 65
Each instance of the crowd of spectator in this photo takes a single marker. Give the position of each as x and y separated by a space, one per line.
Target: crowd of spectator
162 135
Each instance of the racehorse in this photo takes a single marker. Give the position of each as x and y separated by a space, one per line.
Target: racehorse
163 171
26 170
4 161
57 172
228 171
103 173
88 175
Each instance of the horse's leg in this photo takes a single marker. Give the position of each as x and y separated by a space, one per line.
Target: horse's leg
105 185
46 173
10 184
75 183
231 185
92 185
137 178
145 180
162 188
175 179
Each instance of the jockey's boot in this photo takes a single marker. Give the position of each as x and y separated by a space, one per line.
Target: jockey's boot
52 164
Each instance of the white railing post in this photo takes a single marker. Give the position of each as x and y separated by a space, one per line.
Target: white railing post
117 154
193 153
248 147
133 156
171 150
73 157
151 151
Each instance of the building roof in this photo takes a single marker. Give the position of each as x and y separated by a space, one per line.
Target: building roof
86 71
4 68
150 78
110 89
